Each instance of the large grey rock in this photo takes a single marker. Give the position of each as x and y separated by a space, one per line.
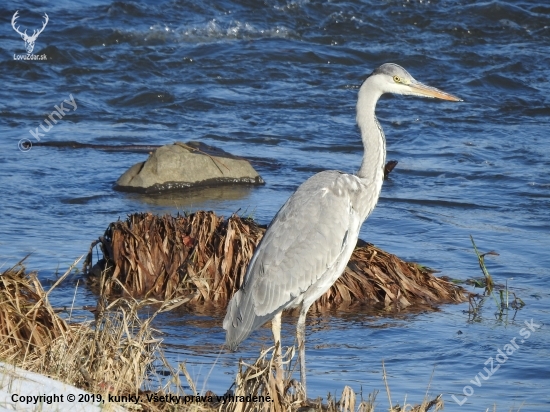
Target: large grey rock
190 164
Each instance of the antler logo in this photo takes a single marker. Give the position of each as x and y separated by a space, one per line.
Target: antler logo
29 40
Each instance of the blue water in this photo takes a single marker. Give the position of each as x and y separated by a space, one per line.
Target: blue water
277 82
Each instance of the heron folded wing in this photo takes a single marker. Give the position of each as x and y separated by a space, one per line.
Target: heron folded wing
303 242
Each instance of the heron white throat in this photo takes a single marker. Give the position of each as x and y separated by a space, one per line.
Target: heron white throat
311 239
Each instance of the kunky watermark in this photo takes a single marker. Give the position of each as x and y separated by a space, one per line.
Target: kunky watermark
60 111
492 365
29 40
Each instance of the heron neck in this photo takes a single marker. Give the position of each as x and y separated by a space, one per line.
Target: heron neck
374 142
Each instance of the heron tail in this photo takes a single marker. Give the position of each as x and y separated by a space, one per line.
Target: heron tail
241 319
236 322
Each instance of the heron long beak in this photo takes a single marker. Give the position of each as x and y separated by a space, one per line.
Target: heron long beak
421 89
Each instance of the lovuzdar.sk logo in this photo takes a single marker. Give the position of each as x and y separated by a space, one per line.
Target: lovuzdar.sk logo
29 40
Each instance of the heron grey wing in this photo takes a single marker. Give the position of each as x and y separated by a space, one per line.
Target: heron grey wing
303 241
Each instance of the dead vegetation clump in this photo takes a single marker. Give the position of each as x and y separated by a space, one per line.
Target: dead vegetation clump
383 280
147 255
205 257
258 379
27 321
115 353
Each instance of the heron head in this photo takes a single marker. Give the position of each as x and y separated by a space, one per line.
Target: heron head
392 78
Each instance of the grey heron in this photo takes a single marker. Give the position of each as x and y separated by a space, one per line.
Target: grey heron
311 239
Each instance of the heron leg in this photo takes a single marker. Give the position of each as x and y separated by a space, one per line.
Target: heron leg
301 336
279 373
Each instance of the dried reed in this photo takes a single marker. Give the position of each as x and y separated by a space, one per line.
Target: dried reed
205 256
258 379
115 353
28 324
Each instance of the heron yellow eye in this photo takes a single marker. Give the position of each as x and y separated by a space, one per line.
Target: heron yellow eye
397 79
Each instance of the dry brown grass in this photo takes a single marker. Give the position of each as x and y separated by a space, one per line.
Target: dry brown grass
258 379
205 257
28 323
115 353
155 256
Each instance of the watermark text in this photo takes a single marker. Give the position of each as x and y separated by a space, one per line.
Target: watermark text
493 364
51 120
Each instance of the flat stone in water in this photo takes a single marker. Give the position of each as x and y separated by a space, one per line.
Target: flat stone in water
183 165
